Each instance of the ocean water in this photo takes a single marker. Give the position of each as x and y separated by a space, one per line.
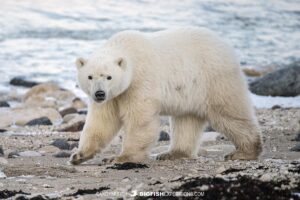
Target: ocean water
42 39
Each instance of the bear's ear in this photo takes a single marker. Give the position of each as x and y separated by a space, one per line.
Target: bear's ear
80 62
121 62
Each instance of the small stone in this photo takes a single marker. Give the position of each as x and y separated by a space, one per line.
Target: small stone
82 112
2 130
1 151
30 154
252 72
78 103
2 175
67 118
62 154
4 104
125 180
67 111
164 136
297 138
296 147
204 187
266 177
276 107
220 170
74 127
40 121
47 186
73 145
3 161
13 154
61 143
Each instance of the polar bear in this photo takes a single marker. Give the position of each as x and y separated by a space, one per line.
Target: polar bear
187 73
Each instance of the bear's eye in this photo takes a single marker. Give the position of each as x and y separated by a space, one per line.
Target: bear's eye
90 77
109 78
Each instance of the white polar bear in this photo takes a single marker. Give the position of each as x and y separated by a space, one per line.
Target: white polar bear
187 73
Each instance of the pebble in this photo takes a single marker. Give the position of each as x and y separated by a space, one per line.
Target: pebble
1 151
297 138
74 127
204 187
296 147
78 103
266 177
73 145
61 144
3 161
62 154
67 111
4 104
2 175
82 112
220 170
67 118
40 121
164 136
126 179
13 154
30 154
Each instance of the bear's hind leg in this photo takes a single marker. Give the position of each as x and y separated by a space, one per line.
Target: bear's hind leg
185 135
243 131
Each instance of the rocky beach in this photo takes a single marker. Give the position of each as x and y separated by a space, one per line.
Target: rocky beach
42 110
40 129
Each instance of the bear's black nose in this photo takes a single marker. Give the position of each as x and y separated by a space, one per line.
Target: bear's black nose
100 95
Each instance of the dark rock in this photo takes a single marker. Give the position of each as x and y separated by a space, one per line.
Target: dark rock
61 144
127 166
82 112
297 138
40 121
88 191
13 154
163 136
8 194
283 82
276 107
2 130
77 126
67 111
62 154
1 151
4 104
296 148
20 81
73 145
209 129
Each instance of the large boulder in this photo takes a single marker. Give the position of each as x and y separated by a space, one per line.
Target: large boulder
283 82
21 116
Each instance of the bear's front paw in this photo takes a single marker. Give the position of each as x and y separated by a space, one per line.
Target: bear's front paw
77 158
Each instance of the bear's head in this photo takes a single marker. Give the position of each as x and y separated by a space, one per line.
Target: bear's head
103 77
